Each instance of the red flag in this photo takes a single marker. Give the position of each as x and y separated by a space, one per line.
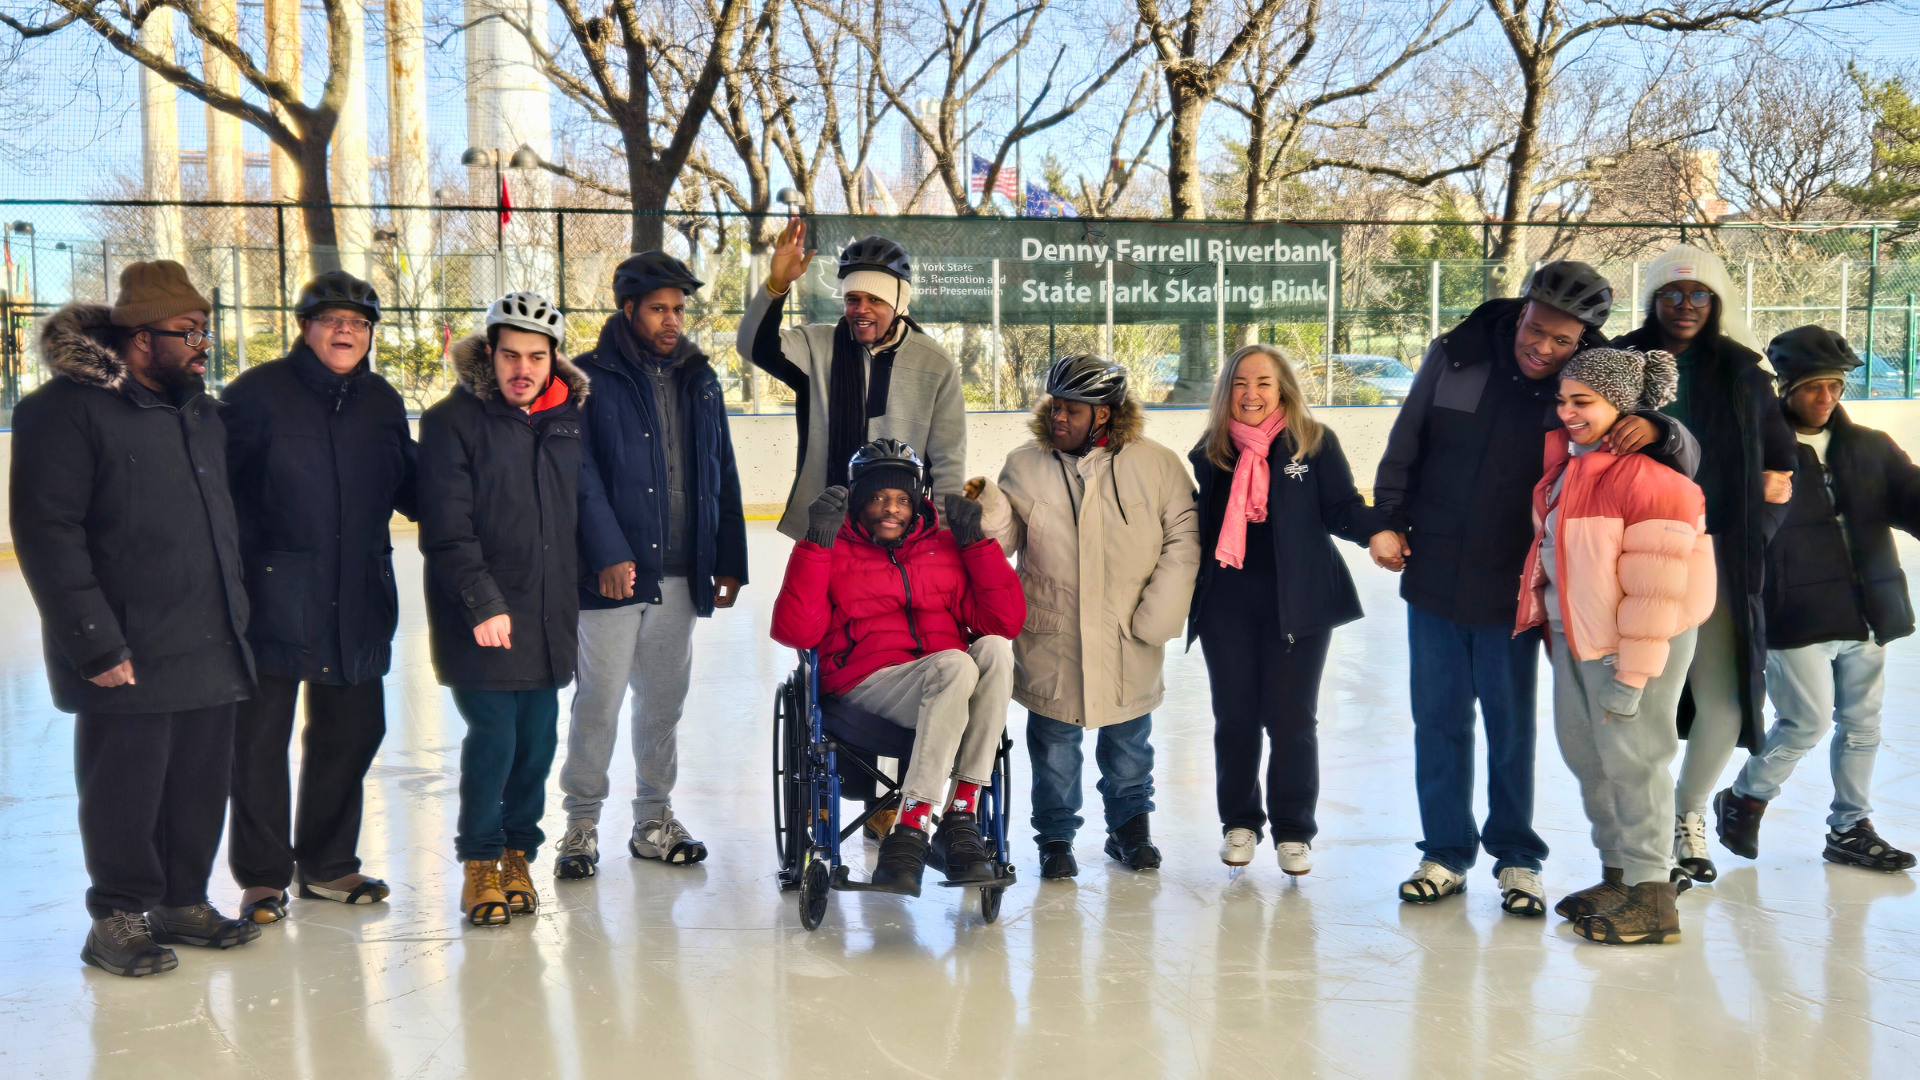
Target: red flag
8 244
506 201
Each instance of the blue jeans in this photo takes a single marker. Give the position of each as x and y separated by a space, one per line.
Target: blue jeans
1838 684
1452 666
511 735
1125 758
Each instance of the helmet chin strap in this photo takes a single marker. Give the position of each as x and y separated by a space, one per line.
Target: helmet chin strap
1094 431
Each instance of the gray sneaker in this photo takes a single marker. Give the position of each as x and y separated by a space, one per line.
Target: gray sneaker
578 855
667 840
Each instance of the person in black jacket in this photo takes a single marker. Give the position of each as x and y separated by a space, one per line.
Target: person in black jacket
1271 588
1835 596
1747 456
1456 483
125 533
320 457
499 489
663 541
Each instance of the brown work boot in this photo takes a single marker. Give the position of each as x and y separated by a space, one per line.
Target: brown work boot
480 895
516 882
1645 915
1593 897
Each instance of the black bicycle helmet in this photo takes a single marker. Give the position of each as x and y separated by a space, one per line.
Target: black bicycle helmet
876 253
333 289
1087 377
886 463
1575 288
650 270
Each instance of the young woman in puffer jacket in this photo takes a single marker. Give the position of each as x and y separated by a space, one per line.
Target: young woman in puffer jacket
1622 573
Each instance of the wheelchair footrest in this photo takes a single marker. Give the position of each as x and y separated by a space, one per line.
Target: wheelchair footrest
1004 877
843 882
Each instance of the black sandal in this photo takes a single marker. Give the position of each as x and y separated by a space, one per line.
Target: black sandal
270 910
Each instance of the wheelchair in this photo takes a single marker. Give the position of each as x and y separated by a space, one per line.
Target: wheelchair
825 750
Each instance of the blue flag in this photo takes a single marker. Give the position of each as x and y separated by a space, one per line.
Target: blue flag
1044 203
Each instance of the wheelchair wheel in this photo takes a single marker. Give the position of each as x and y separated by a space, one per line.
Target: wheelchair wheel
815 881
990 903
791 798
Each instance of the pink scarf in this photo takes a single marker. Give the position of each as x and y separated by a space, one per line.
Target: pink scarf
1247 498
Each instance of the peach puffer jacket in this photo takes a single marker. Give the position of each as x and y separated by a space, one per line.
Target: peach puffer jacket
1633 562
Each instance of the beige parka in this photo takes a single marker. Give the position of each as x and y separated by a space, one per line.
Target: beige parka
1093 657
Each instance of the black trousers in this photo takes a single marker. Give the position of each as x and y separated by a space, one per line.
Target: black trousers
153 794
1263 683
343 731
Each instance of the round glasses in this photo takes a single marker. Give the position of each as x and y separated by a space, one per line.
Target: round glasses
1691 297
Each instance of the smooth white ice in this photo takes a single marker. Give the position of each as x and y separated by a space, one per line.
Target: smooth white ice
1790 967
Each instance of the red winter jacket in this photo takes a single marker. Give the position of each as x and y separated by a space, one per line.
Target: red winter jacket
867 607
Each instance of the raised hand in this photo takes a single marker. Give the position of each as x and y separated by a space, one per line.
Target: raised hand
791 256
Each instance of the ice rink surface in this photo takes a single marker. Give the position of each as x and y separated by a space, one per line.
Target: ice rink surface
1789 967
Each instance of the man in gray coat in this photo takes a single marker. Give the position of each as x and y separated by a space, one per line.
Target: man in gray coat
873 375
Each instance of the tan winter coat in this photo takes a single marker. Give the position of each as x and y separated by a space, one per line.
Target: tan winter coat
1093 657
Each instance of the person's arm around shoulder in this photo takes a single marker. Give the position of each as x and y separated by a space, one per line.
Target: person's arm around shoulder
994 601
55 460
1168 595
1665 573
449 536
803 610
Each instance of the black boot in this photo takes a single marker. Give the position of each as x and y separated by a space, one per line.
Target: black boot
959 848
122 944
1737 820
1861 846
1056 860
1132 844
903 854
201 925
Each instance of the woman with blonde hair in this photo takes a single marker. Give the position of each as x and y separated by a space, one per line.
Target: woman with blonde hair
1273 486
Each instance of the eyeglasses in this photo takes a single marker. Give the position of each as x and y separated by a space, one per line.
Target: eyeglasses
1694 298
195 339
336 322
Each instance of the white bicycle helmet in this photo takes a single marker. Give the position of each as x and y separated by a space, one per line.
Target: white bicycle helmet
528 311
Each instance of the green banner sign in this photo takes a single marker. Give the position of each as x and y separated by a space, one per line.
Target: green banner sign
1061 270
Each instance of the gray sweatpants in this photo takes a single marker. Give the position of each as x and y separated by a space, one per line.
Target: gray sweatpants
1621 763
1715 682
956 703
648 647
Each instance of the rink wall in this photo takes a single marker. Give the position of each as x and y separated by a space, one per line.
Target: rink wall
765 444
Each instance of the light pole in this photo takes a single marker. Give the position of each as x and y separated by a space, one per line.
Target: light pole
25 228
73 274
524 158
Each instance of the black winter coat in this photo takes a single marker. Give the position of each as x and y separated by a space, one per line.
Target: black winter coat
1460 465
319 462
623 484
1742 432
499 502
1306 501
125 531
1832 571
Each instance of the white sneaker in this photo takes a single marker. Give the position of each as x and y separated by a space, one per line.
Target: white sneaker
1690 847
666 840
1521 892
579 851
1238 847
1295 857
1430 882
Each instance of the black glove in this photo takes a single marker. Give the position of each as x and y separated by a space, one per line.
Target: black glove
825 515
963 520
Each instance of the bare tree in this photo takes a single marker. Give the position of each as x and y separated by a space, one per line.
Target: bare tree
1144 106
1791 134
1544 36
303 131
618 73
966 63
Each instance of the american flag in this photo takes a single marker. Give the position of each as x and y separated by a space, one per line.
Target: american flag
1004 182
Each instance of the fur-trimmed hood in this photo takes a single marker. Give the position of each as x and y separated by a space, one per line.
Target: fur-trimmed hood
1129 423
473 369
76 342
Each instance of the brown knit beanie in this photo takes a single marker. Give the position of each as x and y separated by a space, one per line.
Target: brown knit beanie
152 291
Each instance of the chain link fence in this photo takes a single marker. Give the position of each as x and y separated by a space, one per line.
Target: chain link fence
1357 338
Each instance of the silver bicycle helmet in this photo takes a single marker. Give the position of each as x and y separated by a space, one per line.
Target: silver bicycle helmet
528 311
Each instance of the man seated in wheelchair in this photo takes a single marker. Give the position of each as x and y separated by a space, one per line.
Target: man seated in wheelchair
912 622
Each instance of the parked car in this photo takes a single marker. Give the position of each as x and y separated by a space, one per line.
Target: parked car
1889 378
1387 376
